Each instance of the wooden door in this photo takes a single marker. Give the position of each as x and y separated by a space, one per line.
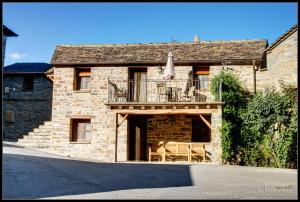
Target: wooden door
137 139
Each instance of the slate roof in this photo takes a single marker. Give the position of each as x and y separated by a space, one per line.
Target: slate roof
8 32
157 53
283 37
26 68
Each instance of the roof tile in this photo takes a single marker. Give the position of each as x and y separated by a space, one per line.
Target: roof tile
139 53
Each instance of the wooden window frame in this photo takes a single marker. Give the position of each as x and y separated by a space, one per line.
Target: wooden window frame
74 130
201 70
78 73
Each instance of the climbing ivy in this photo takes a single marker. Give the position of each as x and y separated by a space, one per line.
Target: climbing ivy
235 102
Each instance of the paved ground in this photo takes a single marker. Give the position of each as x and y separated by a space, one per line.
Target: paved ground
30 174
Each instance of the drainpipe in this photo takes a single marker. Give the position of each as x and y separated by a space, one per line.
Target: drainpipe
116 138
254 77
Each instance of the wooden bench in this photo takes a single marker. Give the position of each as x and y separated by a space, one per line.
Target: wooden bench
177 149
173 150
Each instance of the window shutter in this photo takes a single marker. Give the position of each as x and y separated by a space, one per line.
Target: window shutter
9 115
81 131
88 131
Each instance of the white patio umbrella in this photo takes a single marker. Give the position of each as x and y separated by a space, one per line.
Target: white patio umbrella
169 72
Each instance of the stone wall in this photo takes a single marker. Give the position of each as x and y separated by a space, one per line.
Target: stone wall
243 72
30 109
160 128
282 63
68 103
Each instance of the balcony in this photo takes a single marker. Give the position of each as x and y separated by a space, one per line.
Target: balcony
158 91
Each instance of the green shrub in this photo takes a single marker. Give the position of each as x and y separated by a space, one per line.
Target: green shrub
269 129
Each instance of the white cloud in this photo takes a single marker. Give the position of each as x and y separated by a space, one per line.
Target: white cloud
17 56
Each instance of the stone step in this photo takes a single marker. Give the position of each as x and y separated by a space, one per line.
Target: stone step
39 133
47 122
26 137
48 127
35 145
34 138
35 142
21 140
39 129
42 131
35 130
30 133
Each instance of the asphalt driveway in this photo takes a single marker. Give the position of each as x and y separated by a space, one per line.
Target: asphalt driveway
31 174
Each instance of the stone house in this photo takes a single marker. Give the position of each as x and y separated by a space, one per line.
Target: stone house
111 102
27 98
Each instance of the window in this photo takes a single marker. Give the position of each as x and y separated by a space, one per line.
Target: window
9 116
200 76
82 79
28 82
80 130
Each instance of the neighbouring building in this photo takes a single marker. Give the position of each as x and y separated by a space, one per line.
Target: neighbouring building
281 61
27 98
6 32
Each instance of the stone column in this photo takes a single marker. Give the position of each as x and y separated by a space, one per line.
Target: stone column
216 133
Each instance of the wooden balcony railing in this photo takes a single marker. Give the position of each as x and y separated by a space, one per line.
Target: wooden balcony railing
161 91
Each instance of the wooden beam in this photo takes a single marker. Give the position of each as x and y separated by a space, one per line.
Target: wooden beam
167 111
51 77
205 121
79 116
123 120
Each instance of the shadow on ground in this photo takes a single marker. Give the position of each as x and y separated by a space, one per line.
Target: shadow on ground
32 177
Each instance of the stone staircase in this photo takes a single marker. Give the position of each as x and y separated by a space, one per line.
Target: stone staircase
39 138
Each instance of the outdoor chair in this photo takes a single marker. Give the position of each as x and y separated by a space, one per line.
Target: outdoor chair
189 97
157 149
162 91
200 97
119 94
198 152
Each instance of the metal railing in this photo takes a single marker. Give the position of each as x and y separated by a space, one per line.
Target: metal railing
161 91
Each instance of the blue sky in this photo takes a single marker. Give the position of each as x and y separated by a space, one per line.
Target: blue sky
42 26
